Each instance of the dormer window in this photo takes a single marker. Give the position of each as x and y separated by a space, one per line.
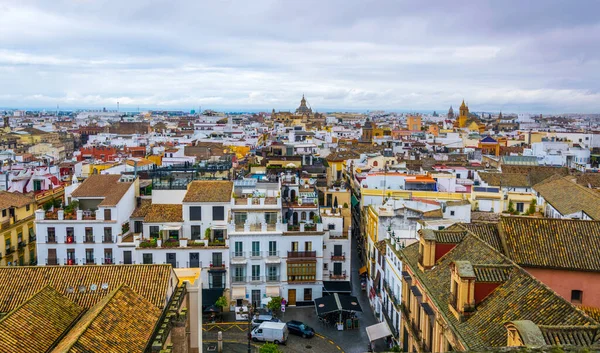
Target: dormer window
462 290
427 249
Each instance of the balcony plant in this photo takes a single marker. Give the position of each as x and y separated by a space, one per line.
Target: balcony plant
194 243
171 243
148 243
125 228
207 233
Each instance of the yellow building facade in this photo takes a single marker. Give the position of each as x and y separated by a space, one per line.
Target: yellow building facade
17 231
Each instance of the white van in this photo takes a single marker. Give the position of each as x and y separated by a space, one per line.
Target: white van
276 332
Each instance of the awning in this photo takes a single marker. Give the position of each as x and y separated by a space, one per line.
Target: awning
427 309
416 291
171 227
210 296
336 303
349 303
326 305
406 276
362 270
272 291
343 287
238 293
378 331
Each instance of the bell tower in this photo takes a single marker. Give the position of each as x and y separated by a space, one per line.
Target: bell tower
463 115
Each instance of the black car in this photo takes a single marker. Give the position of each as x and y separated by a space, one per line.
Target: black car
300 329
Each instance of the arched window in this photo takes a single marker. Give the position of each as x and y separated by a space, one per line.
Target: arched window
303 216
375 164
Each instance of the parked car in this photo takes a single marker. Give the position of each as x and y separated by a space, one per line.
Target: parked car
263 318
301 329
276 332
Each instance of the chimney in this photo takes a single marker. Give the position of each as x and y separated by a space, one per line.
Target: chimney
462 289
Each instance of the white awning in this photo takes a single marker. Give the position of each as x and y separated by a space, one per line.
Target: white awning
378 331
171 227
238 293
272 291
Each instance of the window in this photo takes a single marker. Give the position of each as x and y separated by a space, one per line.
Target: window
154 232
195 213
331 226
218 235
240 218
127 257
238 249
271 217
301 272
137 226
51 235
89 235
255 248
272 248
256 272
71 257
107 235
451 213
4 213
108 258
107 214
272 273
147 259
576 296
294 246
337 250
325 266
307 294
216 280
308 246
337 268
217 259
70 238
196 232
218 213
520 207
27 208
89 256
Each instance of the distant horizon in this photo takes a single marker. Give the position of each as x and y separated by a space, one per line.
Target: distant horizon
219 109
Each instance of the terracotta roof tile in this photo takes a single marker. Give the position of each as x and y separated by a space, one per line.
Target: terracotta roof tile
209 191
15 199
568 197
150 281
164 213
38 322
122 321
106 186
142 210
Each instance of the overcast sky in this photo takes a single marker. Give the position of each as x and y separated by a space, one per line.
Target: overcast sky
515 56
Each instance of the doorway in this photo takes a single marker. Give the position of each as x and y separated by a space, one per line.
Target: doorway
291 296
256 298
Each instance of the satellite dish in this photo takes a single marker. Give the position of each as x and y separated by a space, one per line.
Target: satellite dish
70 289
104 286
93 287
81 289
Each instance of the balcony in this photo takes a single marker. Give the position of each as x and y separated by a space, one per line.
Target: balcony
90 261
108 239
272 278
193 264
5 225
238 279
51 239
89 239
31 238
338 257
333 275
338 235
255 254
238 254
416 330
256 279
217 265
51 262
70 239
108 261
9 250
21 244
216 242
70 262
309 255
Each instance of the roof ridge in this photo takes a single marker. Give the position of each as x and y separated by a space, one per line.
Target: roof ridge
44 288
93 313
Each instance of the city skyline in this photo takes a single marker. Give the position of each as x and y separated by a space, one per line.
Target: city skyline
228 55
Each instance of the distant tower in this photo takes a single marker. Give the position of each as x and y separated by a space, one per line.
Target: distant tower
451 113
367 131
303 109
6 123
463 115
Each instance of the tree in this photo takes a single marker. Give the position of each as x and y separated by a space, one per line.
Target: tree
511 207
47 206
274 305
221 302
56 203
531 209
270 348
